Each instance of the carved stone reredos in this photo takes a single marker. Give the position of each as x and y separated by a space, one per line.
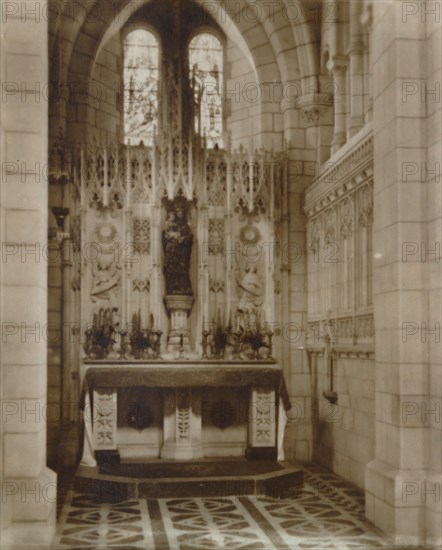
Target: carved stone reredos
179 203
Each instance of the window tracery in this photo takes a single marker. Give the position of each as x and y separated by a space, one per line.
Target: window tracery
206 76
140 87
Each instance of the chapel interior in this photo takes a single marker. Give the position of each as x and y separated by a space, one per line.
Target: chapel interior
221 285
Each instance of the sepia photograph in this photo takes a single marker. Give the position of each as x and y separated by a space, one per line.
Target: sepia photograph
221 276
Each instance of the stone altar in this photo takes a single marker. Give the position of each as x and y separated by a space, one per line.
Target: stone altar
197 409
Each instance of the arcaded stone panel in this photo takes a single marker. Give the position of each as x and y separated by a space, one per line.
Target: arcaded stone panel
339 210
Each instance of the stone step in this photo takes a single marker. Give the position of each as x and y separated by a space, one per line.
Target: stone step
203 478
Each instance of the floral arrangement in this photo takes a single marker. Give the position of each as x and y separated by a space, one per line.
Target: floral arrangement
105 337
144 339
250 337
100 337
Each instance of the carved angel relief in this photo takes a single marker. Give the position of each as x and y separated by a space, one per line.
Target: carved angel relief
106 275
251 290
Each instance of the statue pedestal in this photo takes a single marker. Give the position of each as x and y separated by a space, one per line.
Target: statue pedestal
178 307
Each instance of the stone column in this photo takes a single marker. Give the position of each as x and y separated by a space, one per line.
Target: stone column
300 173
68 445
403 482
355 52
367 23
28 487
338 67
317 113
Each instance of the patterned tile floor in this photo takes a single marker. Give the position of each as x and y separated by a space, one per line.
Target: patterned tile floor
327 512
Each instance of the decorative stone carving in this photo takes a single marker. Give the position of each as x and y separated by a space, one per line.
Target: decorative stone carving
315 234
75 231
313 106
141 235
141 285
252 291
182 424
106 276
183 414
140 159
253 182
119 195
345 329
216 179
105 419
216 237
264 421
104 186
365 205
106 235
364 327
346 218
339 177
338 203
262 418
330 226
216 286
249 234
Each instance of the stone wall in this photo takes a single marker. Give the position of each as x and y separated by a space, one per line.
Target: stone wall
343 437
242 116
105 114
404 479
23 231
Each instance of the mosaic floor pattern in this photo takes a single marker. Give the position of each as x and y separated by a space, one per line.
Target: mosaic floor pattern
327 512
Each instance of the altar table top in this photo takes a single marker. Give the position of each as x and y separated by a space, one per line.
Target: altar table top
185 374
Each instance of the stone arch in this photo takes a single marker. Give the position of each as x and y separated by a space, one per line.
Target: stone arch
284 41
80 67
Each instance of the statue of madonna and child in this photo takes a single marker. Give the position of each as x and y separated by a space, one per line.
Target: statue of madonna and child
177 246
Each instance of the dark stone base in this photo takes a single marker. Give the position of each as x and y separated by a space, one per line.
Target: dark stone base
262 453
205 478
107 457
104 491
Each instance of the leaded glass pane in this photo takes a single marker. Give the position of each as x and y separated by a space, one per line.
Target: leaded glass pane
140 87
206 73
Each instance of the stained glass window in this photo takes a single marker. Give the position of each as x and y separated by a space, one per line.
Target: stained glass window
206 74
140 87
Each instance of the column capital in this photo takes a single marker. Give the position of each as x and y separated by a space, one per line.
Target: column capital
313 105
338 64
